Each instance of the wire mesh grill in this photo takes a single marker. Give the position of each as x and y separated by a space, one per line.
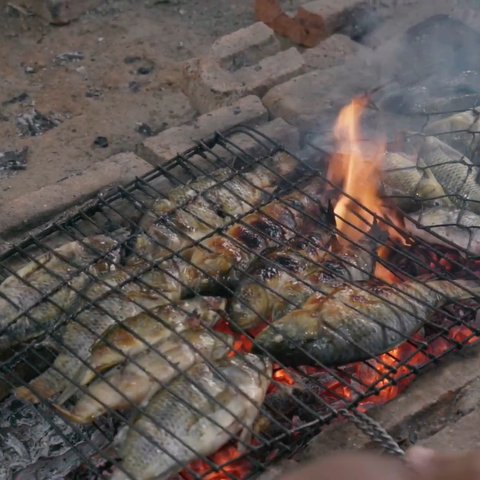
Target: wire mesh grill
126 336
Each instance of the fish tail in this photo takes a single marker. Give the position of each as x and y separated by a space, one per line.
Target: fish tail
42 388
70 416
457 289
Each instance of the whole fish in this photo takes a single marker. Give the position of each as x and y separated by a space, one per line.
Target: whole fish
134 382
73 362
272 290
221 258
460 130
454 171
210 202
199 412
454 227
352 324
134 335
409 184
33 299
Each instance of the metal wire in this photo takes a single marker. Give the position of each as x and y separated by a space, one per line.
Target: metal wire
125 273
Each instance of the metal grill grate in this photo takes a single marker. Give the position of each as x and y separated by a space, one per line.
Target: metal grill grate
143 262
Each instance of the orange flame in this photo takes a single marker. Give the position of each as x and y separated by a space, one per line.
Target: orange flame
356 170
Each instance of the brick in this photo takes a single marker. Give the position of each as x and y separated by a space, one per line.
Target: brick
60 12
271 71
278 130
209 86
310 99
333 51
245 47
32 209
167 144
300 31
328 16
439 395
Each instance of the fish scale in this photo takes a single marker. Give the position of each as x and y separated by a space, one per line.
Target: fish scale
351 324
185 417
455 172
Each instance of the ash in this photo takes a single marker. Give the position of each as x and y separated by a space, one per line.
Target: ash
35 443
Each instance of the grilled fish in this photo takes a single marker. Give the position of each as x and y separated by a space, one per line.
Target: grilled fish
272 290
33 299
453 226
80 335
461 131
210 202
135 334
454 171
134 382
199 413
352 324
409 186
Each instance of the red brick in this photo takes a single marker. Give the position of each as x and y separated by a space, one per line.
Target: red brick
328 15
245 46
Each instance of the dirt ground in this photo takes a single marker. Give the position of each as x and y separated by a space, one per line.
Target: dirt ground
117 80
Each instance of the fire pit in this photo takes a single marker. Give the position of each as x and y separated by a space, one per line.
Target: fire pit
315 237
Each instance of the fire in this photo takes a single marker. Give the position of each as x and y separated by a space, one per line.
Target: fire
356 171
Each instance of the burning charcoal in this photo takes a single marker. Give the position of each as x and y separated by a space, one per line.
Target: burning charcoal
33 123
101 142
14 160
68 57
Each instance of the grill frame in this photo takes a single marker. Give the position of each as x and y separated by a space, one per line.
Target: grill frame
288 442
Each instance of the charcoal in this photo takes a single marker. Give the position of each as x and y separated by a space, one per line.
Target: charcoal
33 123
14 159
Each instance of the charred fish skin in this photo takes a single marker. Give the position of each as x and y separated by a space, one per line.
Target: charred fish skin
211 207
27 309
352 324
225 256
159 448
133 383
454 171
410 185
132 336
274 281
274 297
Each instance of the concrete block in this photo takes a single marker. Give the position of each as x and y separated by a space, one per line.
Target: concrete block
34 208
167 144
245 47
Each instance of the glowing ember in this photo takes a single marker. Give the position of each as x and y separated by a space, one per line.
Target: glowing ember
356 171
